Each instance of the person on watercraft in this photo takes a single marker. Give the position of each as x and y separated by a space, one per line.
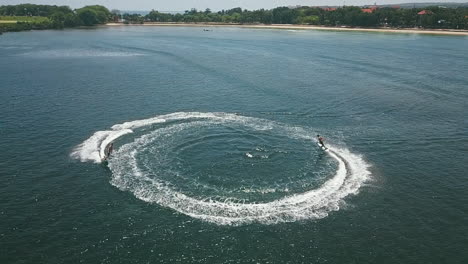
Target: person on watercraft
320 140
109 150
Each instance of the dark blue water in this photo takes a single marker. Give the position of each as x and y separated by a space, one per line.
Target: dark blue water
231 173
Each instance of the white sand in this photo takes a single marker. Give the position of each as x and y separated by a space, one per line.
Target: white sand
306 27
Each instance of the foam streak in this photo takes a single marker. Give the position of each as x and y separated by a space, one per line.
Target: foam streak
352 172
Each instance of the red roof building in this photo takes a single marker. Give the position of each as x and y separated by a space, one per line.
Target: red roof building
369 9
425 12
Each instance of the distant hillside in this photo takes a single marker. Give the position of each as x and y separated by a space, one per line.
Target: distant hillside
404 5
408 5
139 12
146 12
422 5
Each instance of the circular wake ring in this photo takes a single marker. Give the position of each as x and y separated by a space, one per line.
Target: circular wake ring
351 173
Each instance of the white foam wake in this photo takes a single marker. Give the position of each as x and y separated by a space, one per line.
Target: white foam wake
93 148
352 172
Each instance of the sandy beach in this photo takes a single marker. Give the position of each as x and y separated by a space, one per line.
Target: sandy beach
307 27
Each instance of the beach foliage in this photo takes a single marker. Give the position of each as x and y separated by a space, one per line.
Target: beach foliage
350 16
30 16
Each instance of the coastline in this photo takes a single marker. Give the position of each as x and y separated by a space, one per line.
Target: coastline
452 32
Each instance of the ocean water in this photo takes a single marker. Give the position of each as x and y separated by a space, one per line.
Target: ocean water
215 158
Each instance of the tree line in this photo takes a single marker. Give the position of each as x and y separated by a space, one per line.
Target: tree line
64 17
436 17
57 16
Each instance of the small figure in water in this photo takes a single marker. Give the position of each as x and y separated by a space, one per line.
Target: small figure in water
109 150
320 140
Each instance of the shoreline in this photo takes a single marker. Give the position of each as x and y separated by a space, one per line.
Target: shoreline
453 32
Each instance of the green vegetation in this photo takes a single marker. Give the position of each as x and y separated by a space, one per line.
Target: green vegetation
93 15
30 19
29 16
437 17
20 23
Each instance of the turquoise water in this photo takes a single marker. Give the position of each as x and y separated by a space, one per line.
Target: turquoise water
215 156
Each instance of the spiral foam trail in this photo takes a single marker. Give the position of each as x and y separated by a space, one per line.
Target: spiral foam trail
317 203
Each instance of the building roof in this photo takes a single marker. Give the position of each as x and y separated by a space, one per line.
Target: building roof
367 10
425 12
